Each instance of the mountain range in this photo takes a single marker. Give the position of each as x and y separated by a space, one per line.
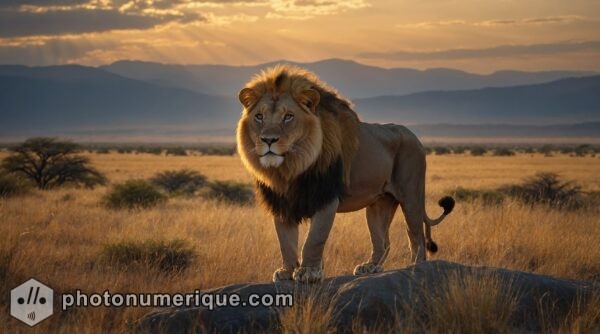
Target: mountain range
352 79
137 97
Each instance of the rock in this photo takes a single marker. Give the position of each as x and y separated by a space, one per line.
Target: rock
373 299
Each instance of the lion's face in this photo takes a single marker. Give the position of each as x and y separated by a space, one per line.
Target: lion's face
279 132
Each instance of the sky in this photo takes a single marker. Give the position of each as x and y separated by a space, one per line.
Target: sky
474 35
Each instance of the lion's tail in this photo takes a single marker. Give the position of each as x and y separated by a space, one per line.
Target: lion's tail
447 203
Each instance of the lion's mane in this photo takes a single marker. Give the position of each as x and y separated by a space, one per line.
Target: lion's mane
296 190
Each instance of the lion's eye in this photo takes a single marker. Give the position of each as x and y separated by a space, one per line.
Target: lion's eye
258 118
288 117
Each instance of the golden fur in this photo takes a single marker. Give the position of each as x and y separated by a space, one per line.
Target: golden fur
327 130
300 139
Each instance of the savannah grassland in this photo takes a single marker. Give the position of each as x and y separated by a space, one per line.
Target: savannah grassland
57 236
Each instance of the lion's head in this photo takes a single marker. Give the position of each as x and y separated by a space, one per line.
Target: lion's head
291 122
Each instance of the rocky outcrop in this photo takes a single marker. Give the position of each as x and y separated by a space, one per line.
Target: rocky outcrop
371 299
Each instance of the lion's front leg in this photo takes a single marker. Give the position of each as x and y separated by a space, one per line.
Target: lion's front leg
311 265
287 233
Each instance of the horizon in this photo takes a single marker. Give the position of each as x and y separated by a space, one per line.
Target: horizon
467 35
278 61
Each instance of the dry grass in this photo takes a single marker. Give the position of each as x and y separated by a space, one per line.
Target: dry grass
58 236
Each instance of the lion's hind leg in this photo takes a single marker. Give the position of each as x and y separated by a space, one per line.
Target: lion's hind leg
379 219
413 213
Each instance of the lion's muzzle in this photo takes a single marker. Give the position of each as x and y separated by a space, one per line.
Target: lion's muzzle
271 159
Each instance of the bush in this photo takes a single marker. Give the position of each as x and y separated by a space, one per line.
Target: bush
49 162
124 150
478 151
489 197
459 149
567 150
546 150
546 188
230 192
217 150
503 152
583 150
133 194
176 151
102 150
428 150
440 150
10 185
150 150
528 150
167 256
179 182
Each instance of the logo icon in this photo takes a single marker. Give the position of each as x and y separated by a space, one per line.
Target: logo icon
31 302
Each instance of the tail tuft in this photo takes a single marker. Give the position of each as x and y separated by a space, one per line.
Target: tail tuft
431 246
447 203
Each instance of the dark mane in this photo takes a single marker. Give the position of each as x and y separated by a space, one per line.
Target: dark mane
308 193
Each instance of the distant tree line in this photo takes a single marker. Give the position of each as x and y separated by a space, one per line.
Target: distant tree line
578 150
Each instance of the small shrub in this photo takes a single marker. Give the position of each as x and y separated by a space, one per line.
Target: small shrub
478 151
459 149
150 150
167 256
217 150
583 150
440 150
11 185
546 188
428 150
528 150
124 150
229 191
567 150
546 150
489 197
179 182
102 150
133 194
176 151
503 152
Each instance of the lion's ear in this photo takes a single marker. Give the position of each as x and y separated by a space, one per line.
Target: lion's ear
248 98
310 98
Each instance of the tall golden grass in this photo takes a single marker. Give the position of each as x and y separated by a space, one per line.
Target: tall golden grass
57 236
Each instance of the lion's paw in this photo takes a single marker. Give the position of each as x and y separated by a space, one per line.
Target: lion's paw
308 274
367 268
283 274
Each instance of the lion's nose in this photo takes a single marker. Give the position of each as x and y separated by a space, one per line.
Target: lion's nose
269 140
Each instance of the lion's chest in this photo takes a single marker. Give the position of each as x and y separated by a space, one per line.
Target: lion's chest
307 194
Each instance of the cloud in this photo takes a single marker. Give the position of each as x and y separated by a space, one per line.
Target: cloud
534 20
306 9
495 22
59 22
19 3
491 52
432 24
225 20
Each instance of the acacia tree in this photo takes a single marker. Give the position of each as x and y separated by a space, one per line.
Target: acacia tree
50 162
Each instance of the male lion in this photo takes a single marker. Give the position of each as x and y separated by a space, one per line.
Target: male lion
312 157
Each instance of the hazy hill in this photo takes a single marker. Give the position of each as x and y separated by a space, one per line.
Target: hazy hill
563 101
82 100
590 129
352 79
75 97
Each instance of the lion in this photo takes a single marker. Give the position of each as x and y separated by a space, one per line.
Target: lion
312 157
